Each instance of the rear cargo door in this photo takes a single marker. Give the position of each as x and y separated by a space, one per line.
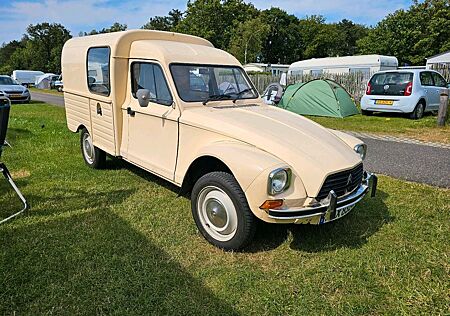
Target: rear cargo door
102 125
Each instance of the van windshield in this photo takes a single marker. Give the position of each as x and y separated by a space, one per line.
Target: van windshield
390 83
203 83
7 81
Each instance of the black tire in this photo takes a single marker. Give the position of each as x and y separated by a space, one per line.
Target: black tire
245 220
93 156
365 112
418 112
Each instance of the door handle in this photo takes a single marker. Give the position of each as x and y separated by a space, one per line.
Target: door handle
130 112
99 109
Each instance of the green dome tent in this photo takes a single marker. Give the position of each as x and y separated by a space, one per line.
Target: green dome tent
319 97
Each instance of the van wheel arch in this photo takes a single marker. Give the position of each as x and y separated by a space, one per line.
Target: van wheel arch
198 168
80 128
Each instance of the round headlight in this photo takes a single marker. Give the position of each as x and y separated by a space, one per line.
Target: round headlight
361 150
278 181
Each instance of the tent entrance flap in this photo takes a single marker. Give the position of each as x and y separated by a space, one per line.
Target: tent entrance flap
319 97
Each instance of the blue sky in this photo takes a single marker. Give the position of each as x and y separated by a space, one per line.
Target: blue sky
85 15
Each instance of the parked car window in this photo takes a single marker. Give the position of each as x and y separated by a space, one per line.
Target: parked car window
8 81
426 79
196 83
439 81
151 77
98 70
390 83
316 72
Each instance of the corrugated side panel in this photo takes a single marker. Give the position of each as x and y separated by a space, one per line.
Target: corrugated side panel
103 126
77 111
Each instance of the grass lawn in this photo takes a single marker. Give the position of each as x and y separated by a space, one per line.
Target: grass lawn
424 129
48 91
120 241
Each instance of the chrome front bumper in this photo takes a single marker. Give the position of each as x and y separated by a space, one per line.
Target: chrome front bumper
331 207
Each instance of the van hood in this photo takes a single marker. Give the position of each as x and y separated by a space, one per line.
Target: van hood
312 151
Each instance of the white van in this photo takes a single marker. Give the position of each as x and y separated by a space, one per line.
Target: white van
26 77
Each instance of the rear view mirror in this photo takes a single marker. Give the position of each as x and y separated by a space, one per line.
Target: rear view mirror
143 96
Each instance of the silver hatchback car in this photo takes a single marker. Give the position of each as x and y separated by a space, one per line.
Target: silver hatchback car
412 91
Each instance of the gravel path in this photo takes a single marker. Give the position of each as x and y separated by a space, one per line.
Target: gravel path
47 98
413 162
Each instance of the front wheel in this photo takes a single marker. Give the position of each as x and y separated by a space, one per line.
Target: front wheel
93 156
221 211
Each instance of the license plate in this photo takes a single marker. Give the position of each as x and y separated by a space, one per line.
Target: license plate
15 95
335 215
384 102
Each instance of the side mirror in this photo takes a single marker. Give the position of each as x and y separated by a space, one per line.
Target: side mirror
143 96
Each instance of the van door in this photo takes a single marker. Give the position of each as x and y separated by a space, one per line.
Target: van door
102 125
152 130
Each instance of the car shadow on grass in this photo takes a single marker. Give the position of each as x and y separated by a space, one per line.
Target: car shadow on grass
84 258
351 231
117 164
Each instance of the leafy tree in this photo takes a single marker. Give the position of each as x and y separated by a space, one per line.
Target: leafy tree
351 34
283 43
411 35
165 23
247 40
46 41
6 51
116 27
215 20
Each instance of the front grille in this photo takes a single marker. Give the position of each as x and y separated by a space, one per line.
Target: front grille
339 182
13 92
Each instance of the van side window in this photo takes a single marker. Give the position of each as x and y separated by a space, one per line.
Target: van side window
98 70
438 80
151 77
426 79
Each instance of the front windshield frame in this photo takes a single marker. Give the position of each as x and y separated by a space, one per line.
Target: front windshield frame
247 80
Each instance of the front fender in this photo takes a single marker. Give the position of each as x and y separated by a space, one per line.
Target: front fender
245 162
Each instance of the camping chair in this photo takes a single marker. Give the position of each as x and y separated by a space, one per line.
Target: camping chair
5 106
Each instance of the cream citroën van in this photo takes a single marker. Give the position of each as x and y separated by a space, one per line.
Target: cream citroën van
177 107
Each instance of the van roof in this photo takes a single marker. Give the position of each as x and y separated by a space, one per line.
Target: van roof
120 42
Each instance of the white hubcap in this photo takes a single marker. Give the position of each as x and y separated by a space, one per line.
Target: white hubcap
88 148
217 213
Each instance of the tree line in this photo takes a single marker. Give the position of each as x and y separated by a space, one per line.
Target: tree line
267 36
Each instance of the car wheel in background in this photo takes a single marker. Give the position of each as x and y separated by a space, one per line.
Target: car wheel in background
418 111
93 156
221 211
365 112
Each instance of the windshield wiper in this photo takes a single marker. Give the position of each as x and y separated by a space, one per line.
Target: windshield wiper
241 93
217 97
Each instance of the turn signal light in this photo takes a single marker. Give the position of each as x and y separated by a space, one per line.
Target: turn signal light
271 204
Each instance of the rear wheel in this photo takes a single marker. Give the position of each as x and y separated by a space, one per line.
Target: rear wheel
365 112
418 111
221 211
93 156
